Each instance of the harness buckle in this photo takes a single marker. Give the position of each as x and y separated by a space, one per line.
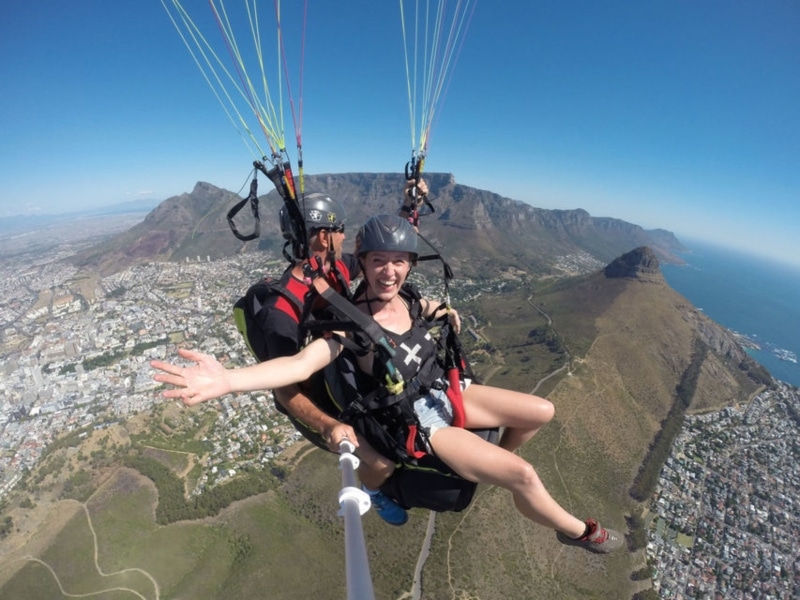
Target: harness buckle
439 385
394 387
313 268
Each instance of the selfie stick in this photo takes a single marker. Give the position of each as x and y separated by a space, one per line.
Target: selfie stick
354 502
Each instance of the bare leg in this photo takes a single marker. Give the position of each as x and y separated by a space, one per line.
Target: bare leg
521 414
375 468
478 460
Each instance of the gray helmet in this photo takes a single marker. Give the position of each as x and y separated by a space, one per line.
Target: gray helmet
320 211
387 233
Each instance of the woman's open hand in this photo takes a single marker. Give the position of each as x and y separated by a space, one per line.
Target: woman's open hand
205 380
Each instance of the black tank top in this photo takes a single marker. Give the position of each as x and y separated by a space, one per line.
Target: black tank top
414 349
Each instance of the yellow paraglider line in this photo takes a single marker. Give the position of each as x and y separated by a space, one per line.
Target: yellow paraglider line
410 83
438 35
220 77
267 125
191 30
259 99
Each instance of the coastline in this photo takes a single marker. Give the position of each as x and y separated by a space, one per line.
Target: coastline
758 300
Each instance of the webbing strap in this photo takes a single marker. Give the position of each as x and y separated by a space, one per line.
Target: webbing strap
411 440
282 178
381 345
253 199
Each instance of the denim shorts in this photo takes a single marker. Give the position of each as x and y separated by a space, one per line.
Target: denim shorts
434 410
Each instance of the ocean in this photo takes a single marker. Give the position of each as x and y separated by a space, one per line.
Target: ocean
748 294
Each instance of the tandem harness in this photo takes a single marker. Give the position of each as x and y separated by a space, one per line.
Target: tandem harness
385 416
381 412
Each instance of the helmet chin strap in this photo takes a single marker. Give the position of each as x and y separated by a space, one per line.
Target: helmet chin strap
330 255
342 283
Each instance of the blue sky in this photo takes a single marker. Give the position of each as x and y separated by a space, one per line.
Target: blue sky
674 114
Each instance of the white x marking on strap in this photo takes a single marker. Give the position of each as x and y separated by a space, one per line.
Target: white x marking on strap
411 353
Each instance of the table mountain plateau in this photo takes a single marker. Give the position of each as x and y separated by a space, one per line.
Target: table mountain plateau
475 229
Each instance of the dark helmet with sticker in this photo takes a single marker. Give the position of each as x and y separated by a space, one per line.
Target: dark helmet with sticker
320 211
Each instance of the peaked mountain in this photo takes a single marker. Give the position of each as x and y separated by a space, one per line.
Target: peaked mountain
640 264
185 226
474 229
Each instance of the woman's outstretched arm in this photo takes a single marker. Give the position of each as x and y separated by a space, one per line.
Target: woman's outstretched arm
208 379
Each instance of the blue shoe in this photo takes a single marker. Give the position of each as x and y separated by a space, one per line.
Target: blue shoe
387 509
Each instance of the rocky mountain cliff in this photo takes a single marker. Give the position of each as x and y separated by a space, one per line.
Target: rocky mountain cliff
189 225
475 229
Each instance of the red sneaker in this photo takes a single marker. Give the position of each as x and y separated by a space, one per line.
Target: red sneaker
599 539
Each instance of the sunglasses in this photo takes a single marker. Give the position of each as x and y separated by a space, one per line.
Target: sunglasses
337 229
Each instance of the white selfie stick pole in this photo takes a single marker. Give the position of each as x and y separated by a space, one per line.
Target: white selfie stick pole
354 502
